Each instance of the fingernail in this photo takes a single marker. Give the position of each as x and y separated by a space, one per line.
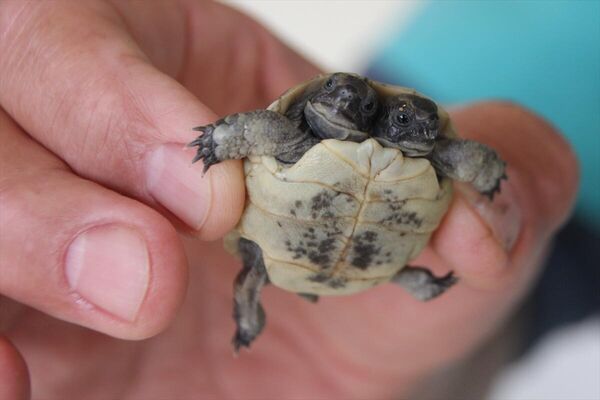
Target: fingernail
109 266
178 185
502 215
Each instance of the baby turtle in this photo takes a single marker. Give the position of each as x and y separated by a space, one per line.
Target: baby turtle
346 180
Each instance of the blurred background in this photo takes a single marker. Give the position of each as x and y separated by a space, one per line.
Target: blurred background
542 54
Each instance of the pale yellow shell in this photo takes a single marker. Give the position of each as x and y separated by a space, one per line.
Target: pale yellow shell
341 197
347 216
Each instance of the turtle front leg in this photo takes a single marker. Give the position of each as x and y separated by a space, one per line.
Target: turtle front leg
248 313
469 161
254 133
422 284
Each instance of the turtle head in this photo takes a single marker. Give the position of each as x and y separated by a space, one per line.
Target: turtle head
343 108
408 122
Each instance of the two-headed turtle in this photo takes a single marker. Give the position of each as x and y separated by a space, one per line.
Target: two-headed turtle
346 180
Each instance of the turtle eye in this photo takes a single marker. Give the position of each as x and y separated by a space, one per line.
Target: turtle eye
402 118
369 107
329 84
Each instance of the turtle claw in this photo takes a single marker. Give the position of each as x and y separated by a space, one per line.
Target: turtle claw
206 147
447 280
441 284
249 325
241 339
496 189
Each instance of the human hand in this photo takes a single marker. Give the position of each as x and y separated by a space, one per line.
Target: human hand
97 86
95 177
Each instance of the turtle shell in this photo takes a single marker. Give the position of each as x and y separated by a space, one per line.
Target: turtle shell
346 216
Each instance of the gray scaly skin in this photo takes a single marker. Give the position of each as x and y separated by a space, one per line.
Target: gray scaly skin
248 313
343 107
411 123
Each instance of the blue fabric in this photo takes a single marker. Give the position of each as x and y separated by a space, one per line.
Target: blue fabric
545 55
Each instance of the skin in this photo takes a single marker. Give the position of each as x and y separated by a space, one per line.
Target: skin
342 107
411 123
63 168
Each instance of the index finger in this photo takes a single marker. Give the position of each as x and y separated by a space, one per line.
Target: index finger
88 92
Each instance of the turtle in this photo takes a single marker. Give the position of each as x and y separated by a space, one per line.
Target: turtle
347 178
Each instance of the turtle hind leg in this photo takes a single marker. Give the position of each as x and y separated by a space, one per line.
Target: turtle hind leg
248 313
422 284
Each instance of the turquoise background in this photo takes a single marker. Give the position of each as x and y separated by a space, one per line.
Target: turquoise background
543 54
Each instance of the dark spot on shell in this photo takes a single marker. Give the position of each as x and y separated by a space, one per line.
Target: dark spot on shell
370 236
293 212
396 205
298 204
318 258
316 248
332 282
326 245
336 283
320 201
364 250
298 251
318 278
399 217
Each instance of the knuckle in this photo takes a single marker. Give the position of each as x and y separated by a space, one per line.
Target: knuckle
115 127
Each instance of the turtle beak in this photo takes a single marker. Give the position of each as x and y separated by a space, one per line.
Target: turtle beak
330 125
409 149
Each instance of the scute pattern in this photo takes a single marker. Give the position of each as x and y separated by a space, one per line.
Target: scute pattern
344 218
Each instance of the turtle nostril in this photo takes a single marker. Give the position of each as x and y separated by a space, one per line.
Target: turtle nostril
346 94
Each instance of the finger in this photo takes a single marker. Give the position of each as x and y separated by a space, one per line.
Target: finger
80 252
14 377
542 161
87 92
485 241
